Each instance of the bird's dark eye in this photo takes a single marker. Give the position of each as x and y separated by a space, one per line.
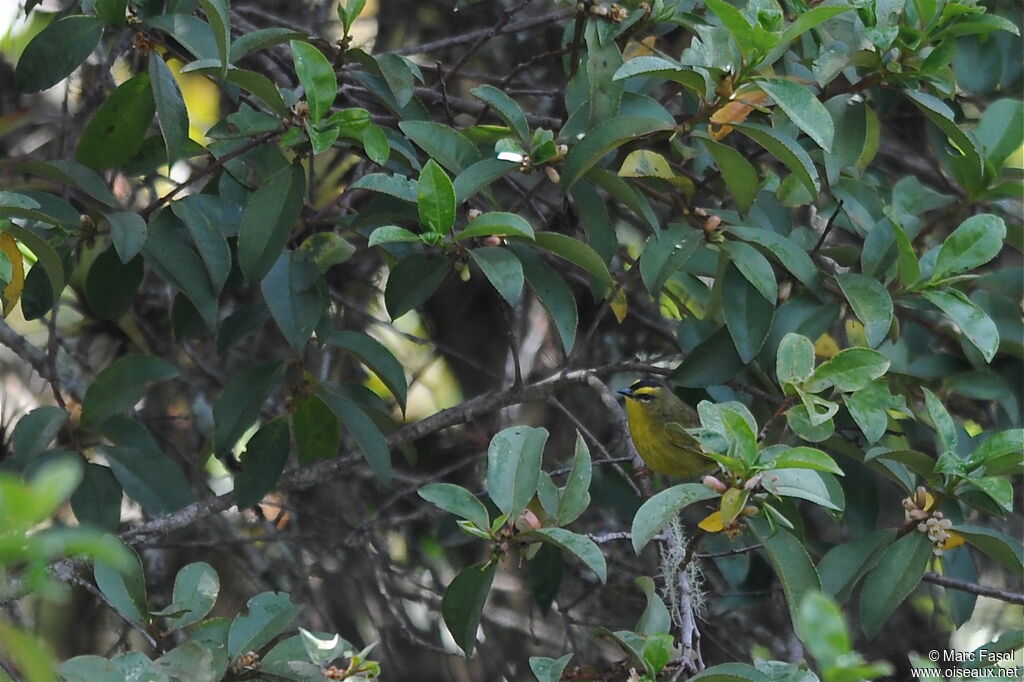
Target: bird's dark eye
644 397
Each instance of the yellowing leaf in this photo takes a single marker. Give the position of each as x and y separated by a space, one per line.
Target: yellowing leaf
953 541
712 523
740 105
12 292
643 163
620 306
202 100
640 48
855 335
826 346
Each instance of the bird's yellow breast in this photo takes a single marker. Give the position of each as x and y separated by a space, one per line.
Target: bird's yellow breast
659 447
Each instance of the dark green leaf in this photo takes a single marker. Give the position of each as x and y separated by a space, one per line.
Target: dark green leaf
506 107
942 116
790 561
975 242
315 430
269 216
803 108
292 291
116 131
207 237
397 186
376 356
844 565
125 588
605 137
268 615
412 281
150 478
657 67
972 321
435 199
122 384
795 359
502 269
553 293
785 149
739 175
851 369
238 405
219 15
317 77
56 51
748 316
367 436
457 500
580 546
463 603
576 494
711 362
870 302
35 431
575 252
1006 550
262 463
260 39
754 267
128 231
110 285
170 108
97 501
497 224
195 592
450 148
897 573
548 669
72 174
169 252
513 467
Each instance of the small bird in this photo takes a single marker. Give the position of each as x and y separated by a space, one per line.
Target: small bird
658 420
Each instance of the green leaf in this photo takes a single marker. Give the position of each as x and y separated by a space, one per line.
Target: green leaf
975 242
128 232
803 23
219 15
739 175
506 107
368 438
56 51
479 175
650 66
897 573
1006 550
169 252
457 500
868 408
851 369
35 431
315 430
870 302
412 281
260 39
376 357
795 359
122 384
125 588
822 629
944 425
115 132
997 447
806 458
397 186
209 241
735 23
748 316
292 290
450 148
942 116
731 672
195 592
110 285
576 494
72 174
575 252
435 199
150 478
238 405
392 234
497 224
463 603
653 514
754 267
502 269
97 500
972 321
262 463
785 149
844 565
790 561
548 669
602 139
270 213
582 547
317 77
799 419
553 293
805 484
709 363
268 615
803 108
665 252
170 107
513 467
1000 130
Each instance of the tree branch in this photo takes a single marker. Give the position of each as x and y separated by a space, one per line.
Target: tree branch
981 590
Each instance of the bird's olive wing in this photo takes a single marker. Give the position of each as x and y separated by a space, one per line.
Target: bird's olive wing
677 434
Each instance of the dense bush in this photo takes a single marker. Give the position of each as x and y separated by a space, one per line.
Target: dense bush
329 336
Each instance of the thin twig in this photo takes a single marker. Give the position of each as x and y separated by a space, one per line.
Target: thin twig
514 27
972 588
828 227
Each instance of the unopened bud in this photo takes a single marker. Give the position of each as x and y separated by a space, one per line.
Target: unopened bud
714 484
552 174
491 241
917 514
749 510
921 496
922 527
528 521
474 213
937 551
752 483
711 224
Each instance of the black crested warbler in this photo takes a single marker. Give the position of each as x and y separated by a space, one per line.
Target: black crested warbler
658 420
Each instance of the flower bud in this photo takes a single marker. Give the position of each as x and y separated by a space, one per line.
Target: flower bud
552 174
752 483
473 213
713 483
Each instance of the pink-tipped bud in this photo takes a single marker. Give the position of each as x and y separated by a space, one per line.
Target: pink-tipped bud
752 483
714 484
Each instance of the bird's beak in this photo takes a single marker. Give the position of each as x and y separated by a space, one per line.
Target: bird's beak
628 392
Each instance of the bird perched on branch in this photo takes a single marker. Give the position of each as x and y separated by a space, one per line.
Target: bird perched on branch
658 420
